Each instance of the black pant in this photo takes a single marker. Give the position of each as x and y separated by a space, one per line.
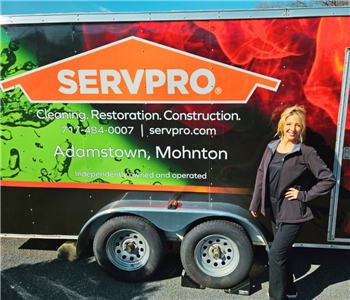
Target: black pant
280 269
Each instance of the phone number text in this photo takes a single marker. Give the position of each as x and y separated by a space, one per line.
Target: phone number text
96 130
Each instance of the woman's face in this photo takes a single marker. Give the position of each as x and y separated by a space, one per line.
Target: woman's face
292 129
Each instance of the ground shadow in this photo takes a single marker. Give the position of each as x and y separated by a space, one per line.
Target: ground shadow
84 279
315 270
81 279
333 267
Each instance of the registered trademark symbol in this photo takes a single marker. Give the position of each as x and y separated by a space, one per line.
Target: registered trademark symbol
218 90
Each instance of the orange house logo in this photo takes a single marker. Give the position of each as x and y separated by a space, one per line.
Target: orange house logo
137 70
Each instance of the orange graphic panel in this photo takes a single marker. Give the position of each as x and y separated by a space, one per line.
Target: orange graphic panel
135 70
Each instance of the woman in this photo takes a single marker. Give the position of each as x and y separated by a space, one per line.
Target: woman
283 182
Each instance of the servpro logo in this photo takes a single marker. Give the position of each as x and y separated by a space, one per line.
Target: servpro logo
136 70
110 80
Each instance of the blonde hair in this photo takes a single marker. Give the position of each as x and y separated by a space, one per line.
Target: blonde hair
297 112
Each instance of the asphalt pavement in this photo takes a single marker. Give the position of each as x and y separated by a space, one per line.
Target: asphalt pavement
30 269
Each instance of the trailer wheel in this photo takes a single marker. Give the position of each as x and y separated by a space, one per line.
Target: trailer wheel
129 248
217 254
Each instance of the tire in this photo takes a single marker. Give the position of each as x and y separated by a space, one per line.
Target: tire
217 254
129 248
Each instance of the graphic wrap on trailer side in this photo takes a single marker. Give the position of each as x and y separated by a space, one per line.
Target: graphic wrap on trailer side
194 115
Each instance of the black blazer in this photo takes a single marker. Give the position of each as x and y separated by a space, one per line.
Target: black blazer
300 166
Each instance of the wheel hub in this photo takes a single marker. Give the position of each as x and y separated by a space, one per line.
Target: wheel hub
216 255
130 246
127 249
216 252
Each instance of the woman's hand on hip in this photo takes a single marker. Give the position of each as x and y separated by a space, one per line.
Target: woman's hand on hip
254 213
291 194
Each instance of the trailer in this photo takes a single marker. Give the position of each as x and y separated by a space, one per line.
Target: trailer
135 130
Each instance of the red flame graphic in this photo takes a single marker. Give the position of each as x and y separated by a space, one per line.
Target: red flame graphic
306 54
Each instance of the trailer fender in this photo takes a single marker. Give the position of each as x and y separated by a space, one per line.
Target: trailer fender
173 220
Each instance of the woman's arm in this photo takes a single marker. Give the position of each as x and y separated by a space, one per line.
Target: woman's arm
256 199
324 176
